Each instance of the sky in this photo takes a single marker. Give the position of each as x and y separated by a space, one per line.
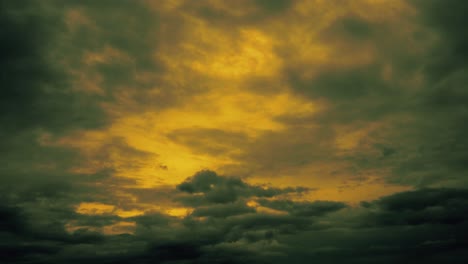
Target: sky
247 131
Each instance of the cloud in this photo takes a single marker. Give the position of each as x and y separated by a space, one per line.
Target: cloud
446 20
107 106
403 226
223 210
209 141
209 187
421 207
34 87
428 223
316 208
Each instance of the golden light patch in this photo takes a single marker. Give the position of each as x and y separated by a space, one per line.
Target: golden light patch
252 203
326 186
253 55
215 52
94 208
128 213
264 210
270 211
123 227
361 191
241 112
179 211
236 111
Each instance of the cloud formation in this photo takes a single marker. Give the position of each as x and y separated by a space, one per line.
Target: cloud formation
314 131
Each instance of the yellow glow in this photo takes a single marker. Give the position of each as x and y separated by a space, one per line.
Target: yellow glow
95 208
123 227
209 70
252 203
364 191
240 111
335 188
254 55
179 211
264 210
128 213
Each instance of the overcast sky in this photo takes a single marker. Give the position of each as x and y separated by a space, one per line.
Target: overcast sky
243 131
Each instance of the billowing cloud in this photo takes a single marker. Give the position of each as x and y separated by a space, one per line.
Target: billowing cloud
207 186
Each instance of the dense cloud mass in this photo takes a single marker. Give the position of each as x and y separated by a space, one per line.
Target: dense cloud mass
266 131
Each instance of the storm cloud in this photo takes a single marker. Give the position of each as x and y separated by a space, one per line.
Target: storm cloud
233 131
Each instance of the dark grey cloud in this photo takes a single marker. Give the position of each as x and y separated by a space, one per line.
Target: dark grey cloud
447 19
133 39
421 226
39 55
274 6
34 87
38 101
420 207
223 210
208 187
351 27
418 226
441 106
316 208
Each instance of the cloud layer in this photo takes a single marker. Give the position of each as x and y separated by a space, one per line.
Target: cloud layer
314 131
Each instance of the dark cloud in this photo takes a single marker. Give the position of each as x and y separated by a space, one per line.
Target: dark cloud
439 108
447 20
38 102
274 6
422 226
127 46
11 220
316 208
227 14
208 187
35 90
223 210
421 207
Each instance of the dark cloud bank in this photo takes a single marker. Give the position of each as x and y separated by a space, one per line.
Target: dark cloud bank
421 226
426 225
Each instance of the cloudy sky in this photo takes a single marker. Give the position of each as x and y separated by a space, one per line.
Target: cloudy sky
247 131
